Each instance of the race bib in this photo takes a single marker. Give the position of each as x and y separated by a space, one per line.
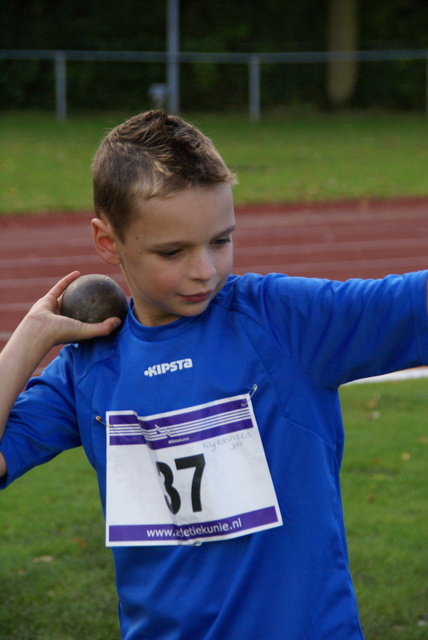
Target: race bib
187 476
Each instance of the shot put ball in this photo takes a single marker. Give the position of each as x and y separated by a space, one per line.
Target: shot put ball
94 298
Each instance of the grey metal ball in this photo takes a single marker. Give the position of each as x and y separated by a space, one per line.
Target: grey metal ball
94 298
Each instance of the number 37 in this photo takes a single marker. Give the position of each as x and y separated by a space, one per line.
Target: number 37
173 499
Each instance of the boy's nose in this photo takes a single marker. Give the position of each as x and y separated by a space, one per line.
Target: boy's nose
203 267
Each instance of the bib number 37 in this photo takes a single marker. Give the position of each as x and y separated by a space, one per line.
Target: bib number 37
172 496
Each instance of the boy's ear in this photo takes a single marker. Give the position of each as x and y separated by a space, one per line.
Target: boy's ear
105 241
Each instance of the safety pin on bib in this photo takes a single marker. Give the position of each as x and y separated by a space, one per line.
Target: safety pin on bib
251 392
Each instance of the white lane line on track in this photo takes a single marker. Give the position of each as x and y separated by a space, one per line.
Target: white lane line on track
334 247
46 241
408 374
36 261
7 283
48 281
15 306
391 265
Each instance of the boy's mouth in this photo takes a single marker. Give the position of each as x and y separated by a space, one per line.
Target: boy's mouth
198 297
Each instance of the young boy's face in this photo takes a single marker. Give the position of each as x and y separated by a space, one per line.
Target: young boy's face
177 254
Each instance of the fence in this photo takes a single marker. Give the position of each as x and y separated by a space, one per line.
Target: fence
252 60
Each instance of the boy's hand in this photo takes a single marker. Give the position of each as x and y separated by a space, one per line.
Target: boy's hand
42 328
44 316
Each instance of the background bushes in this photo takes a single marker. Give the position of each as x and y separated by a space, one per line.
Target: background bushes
213 25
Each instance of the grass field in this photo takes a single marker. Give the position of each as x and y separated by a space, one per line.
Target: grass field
45 165
384 483
57 579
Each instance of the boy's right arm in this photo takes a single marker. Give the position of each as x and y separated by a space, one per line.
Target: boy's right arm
41 329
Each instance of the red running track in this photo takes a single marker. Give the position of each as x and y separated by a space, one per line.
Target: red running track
338 241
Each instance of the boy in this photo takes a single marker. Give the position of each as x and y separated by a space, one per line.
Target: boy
212 417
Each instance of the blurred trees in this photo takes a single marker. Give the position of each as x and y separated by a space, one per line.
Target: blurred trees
214 25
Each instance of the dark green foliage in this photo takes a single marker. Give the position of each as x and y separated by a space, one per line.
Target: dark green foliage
239 26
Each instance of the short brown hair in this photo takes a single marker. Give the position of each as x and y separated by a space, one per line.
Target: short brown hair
151 155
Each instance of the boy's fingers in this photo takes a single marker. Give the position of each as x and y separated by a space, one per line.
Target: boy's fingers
59 288
98 329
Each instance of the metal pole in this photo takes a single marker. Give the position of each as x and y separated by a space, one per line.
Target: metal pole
60 86
254 82
173 48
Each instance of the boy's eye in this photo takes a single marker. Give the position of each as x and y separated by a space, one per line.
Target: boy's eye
172 253
220 242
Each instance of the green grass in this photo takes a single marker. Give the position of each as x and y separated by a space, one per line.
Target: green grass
384 483
45 165
57 579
